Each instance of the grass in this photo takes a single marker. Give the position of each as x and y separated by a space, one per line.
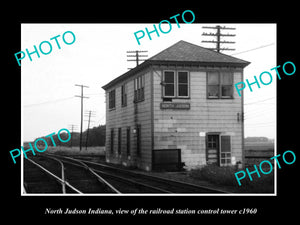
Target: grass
225 176
92 151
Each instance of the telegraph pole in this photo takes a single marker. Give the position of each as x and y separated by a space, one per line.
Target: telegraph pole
72 127
90 113
137 57
81 96
218 36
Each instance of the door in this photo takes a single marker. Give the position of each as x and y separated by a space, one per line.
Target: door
212 149
225 150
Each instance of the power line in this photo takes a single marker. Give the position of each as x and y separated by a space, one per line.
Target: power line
258 101
218 36
48 102
269 122
252 49
257 114
136 56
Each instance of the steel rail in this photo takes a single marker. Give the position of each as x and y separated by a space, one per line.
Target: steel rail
133 182
160 179
62 173
101 179
54 176
126 180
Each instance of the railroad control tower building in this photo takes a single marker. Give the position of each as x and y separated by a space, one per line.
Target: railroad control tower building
177 108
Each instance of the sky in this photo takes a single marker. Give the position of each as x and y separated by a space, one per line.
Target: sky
98 55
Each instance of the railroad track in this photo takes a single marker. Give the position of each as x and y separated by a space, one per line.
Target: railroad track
49 174
163 185
117 180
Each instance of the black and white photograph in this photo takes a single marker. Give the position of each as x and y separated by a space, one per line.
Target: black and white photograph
174 112
166 116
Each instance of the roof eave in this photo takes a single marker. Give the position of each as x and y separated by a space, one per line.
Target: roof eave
232 64
125 75
160 62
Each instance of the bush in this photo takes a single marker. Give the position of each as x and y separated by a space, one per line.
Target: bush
215 174
225 176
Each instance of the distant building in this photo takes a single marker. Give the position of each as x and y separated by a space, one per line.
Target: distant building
179 106
257 139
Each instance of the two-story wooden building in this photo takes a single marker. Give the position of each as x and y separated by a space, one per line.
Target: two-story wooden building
178 106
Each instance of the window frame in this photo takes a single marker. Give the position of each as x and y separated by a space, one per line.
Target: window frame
176 84
139 84
128 144
138 140
164 84
112 99
230 151
112 136
124 95
220 84
119 141
188 84
231 85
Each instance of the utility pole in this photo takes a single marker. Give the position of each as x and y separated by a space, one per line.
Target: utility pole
218 36
90 113
81 96
137 57
72 127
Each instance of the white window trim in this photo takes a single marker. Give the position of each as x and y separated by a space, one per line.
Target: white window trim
220 148
177 84
175 88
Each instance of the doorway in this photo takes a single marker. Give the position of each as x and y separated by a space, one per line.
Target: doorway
212 149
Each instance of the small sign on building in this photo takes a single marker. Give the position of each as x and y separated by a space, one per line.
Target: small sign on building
172 105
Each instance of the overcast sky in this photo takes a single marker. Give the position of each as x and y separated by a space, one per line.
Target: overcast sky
98 55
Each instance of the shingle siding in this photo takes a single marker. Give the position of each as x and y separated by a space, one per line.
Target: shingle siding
124 117
175 128
180 128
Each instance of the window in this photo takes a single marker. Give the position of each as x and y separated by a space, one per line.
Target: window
138 140
219 84
112 141
124 95
119 140
139 84
183 84
169 84
225 158
176 85
213 85
226 81
212 150
112 99
128 141
212 141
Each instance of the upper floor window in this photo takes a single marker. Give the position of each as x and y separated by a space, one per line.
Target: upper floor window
112 99
169 84
139 84
176 85
183 84
124 95
219 84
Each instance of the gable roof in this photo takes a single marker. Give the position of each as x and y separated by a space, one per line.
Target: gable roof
184 52
188 52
